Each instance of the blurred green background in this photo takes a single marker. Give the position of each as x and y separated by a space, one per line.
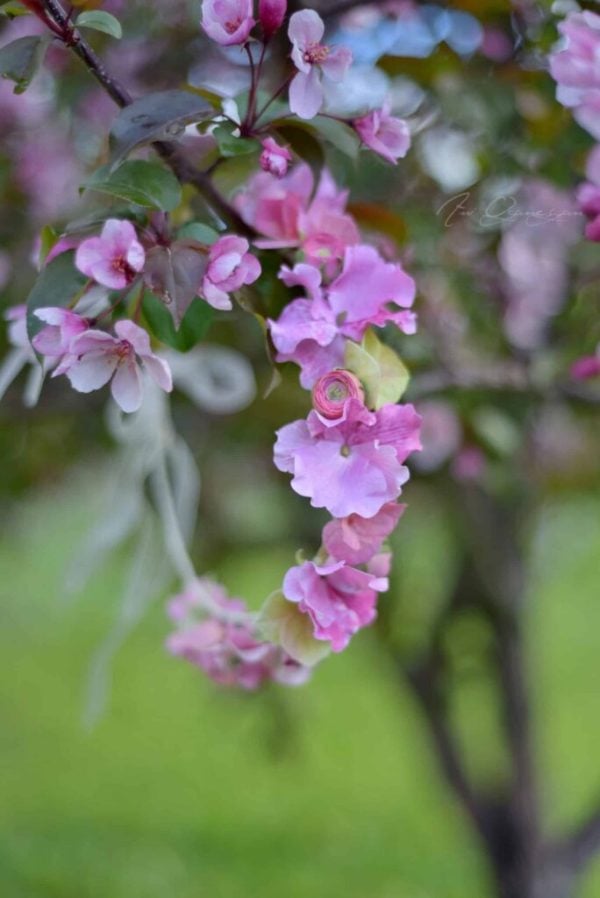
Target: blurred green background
181 790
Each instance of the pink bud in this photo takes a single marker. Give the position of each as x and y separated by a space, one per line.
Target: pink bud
333 390
271 14
274 158
586 367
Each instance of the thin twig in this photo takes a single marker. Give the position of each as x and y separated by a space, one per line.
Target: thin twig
181 167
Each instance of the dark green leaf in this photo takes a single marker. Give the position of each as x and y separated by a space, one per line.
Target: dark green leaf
229 145
100 21
144 183
335 133
59 284
158 116
194 325
20 60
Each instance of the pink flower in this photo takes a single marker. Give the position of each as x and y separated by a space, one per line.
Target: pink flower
353 467
274 158
586 367
588 195
95 358
288 214
357 540
223 644
271 14
114 258
386 135
339 599
311 332
332 391
576 69
230 266
227 21
311 57
62 326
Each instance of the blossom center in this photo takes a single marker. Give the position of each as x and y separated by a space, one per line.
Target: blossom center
315 53
122 266
232 26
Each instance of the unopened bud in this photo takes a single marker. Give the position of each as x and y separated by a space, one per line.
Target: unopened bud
271 14
333 390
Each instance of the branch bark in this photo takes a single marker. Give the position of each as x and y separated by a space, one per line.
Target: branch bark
167 150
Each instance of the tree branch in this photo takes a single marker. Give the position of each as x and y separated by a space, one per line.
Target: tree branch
167 150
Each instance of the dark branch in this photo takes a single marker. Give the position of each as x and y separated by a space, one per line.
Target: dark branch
578 849
181 167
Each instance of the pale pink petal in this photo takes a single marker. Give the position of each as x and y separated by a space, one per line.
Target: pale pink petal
306 94
126 386
159 371
306 27
337 63
92 371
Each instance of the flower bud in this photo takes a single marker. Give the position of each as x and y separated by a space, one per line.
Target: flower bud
274 158
333 390
271 14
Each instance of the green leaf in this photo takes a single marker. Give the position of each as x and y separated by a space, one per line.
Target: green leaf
157 116
59 284
147 184
381 372
20 60
282 622
192 329
330 131
48 237
339 135
198 231
11 9
229 145
99 20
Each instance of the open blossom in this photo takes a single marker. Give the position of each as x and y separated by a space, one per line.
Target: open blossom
271 14
354 467
227 21
62 326
312 58
367 292
114 258
576 68
383 133
287 213
356 540
96 357
274 158
230 266
223 644
339 599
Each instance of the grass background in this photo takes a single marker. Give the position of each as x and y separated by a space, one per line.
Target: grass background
181 791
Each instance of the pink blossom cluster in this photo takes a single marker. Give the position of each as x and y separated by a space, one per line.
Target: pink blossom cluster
231 22
352 465
575 66
218 634
91 358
